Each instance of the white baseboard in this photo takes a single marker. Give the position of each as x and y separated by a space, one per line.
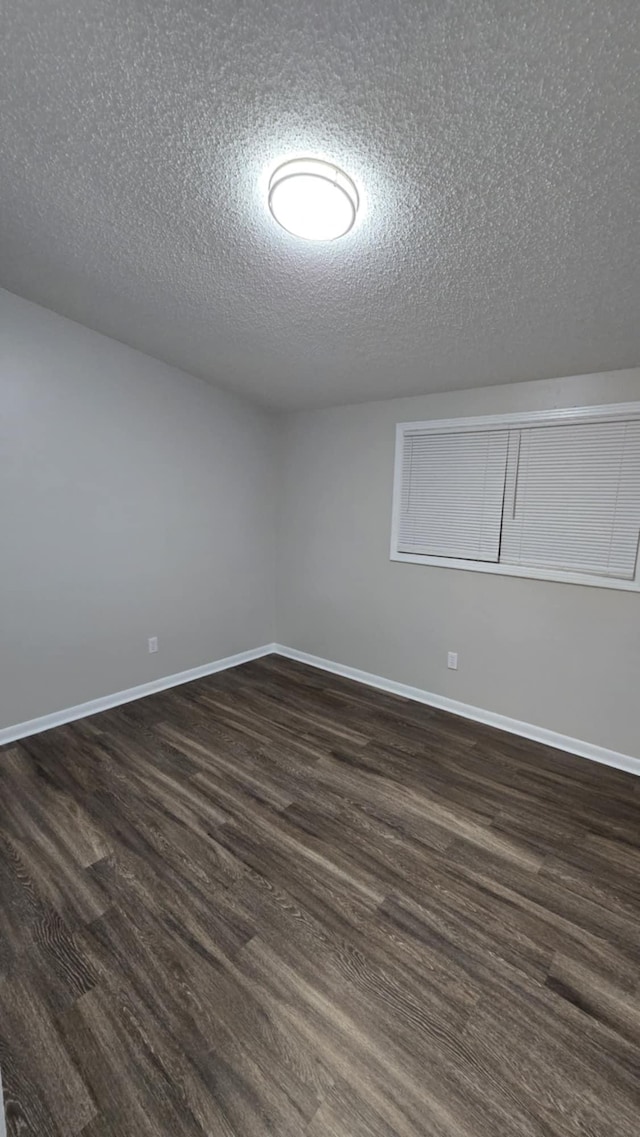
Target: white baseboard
465 710
94 706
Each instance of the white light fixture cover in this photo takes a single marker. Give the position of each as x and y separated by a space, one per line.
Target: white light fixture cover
313 199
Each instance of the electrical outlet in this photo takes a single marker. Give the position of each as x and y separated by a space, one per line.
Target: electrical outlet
153 644
452 660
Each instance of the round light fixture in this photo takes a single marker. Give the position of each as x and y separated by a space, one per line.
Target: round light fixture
313 199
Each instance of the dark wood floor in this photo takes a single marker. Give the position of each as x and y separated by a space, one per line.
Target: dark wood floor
277 902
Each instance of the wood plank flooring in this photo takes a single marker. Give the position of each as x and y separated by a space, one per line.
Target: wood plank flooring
277 902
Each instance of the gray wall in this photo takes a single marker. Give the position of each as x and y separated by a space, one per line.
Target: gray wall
565 657
134 501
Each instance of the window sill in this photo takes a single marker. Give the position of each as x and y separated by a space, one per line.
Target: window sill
520 570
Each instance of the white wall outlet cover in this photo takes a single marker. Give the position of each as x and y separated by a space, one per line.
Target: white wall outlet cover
153 644
452 660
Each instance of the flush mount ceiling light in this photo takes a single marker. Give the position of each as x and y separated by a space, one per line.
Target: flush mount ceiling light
313 199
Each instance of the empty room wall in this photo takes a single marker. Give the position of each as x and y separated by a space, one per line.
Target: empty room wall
559 656
135 501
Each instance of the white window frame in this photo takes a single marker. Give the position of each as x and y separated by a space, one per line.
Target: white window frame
559 417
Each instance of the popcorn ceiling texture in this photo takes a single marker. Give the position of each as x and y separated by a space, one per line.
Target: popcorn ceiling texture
496 145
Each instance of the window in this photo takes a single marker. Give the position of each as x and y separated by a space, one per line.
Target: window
554 495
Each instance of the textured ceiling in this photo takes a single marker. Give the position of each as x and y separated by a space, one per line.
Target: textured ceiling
496 145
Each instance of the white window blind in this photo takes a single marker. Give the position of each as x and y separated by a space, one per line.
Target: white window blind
572 498
452 494
548 494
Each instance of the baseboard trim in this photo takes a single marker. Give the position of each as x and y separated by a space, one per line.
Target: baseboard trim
465 710
94 706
